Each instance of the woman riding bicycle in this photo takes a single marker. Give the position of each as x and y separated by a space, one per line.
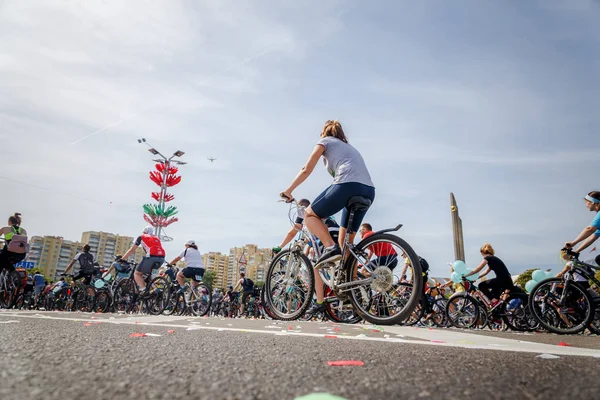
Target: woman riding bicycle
588 236
8 259
350 178
494 287
194 266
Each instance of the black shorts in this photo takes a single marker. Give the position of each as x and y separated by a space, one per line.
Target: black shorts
87 278
193 273
245 295
8 259
150 263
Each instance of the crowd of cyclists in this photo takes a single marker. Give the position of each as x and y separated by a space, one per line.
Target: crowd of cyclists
366 288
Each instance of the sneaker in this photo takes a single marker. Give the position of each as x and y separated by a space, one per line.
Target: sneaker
316 308
330 255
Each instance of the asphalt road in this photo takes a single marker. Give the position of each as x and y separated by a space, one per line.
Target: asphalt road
72 355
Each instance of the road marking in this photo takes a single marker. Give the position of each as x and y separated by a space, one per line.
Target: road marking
435 337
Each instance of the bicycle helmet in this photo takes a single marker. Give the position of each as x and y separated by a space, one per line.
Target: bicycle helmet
149 230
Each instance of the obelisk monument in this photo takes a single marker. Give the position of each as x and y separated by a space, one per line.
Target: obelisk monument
457 231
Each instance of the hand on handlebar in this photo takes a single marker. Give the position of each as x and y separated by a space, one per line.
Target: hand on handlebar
287 196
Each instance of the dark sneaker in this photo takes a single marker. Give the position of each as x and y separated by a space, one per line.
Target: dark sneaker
315 309
330 255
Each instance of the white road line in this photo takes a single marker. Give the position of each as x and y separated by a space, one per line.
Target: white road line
436 337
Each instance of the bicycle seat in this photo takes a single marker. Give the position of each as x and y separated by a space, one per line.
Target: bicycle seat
359 203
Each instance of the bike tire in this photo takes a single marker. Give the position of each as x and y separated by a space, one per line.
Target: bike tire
159 291
201 307
467 301
125 296
519 323
265 305
273 273
351 268
103 302
439 308
538 292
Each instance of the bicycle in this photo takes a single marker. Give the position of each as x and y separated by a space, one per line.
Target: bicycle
10 284
431 310
196 300
472 308
127 297
564 306
290 277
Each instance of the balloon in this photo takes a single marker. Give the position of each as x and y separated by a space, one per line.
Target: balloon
530 285
456 277
459 266
538 275
549 274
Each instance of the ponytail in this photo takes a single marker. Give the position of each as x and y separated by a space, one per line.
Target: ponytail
334 129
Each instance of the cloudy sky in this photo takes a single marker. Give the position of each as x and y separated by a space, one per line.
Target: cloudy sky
495 101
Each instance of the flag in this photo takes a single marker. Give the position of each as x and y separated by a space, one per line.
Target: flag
592 250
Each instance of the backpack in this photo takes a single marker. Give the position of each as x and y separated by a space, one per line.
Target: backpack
22 276
86 261
248 285
424 265
18 244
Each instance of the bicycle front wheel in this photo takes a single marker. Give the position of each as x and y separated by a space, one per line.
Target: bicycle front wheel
289 285
462 311
561 307
376 295
200 299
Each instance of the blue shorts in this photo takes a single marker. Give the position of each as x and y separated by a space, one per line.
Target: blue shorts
193 273
335 198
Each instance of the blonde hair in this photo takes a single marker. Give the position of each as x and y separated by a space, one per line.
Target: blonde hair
487 249
334 128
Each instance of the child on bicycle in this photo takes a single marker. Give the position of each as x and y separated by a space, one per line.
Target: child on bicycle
493 288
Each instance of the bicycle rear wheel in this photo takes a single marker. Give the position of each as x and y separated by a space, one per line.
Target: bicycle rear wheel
125 296
289 285
103 302
200 299
158 295
380 298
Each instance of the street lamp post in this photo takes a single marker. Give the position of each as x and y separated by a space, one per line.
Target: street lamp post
161 216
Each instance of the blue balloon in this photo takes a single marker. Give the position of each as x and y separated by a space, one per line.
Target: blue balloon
530 285
549 274
459 266
456 277
538 275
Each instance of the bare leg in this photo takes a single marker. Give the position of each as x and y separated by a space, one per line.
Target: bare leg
342 237
139 279
319 289
180 278
318 227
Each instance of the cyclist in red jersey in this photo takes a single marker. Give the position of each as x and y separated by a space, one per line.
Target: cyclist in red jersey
384 252
155 255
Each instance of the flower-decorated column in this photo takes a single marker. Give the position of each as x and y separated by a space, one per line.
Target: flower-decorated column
160 215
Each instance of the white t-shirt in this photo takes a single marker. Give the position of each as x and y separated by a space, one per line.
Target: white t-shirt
344 162
192 258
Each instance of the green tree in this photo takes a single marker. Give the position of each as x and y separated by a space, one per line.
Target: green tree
525 277
209 277
259 284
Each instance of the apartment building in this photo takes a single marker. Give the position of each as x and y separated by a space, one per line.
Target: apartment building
219 263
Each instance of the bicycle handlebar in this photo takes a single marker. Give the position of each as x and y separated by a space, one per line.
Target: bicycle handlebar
286 198
571 253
